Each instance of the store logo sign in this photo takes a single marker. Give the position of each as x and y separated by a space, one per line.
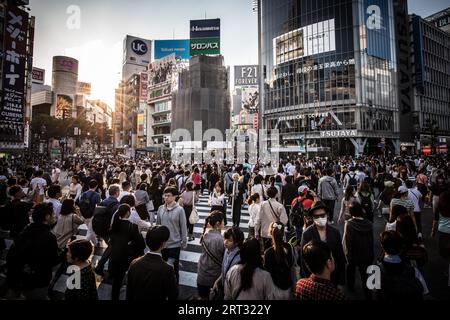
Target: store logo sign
374 20
139 47
339 134
204 46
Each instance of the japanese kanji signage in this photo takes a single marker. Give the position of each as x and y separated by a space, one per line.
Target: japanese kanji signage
15 48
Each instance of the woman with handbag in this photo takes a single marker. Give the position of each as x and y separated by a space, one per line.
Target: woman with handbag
188 200
65 230
210 262
217 201
127 244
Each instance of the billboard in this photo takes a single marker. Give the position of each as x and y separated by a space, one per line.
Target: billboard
84 88
246 75
209 28
205 37
310 40
65 64
137 51
12 108
250 100
161 71
164 48
38 76
64 106
377 28
143 92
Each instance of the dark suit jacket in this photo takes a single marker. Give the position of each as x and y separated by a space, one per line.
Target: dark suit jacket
334 241
240 196
150 278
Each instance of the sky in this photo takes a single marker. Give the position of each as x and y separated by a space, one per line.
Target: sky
98 40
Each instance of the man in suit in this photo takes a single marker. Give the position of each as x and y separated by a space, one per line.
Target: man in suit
149 277
237 197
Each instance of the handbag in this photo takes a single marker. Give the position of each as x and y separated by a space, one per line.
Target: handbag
194 217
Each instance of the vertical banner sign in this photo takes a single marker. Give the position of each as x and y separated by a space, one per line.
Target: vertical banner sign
246 75
377 28
12 118
144 87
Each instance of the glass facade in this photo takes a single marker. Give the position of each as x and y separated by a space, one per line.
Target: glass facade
328 65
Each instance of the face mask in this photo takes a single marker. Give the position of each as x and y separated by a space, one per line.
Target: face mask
321 222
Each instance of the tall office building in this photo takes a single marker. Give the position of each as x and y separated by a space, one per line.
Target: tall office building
335 75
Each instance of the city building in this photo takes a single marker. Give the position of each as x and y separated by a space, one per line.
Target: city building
431 38
203 97
335 75
16 43
98 112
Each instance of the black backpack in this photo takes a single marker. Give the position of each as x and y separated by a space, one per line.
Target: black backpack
352 181
366 203
87 208
101 221
404 286
297 214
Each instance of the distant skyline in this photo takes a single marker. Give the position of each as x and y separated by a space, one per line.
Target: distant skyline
98 43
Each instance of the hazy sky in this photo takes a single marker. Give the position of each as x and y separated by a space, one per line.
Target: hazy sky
98 43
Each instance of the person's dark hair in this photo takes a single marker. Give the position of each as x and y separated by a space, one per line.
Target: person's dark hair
288 179
396 212
329 172
144 177
409 184
156 236
172 182
214 218
250 259
53 191
272 181
349 192
316 255
126 185
406 227
121 213
23 182
143 187
14 190
189 186
81 250
93 184
218 184
278 179
258 179
128 199
364 187
253 198
67 207
356 210
272 192
12 181
277 234
173 191
76 179
236 234
41 211
392 242
39 173
444 204
196 170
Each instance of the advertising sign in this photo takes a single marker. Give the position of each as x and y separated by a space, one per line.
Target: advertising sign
160 92
137 51
64 106
246 75
377 28
203 46
339 134
250 99
65 64
205 28
143 92
307 41
164 48
140 124
84 88
38 76
12 117
205 37
161 70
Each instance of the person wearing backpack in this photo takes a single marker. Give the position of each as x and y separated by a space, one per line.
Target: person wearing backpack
328 192
358 246
89 200
351 179
366 198
101 223
209 265
399 281
300 206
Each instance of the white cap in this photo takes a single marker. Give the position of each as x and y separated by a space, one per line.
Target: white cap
303 189
402 190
